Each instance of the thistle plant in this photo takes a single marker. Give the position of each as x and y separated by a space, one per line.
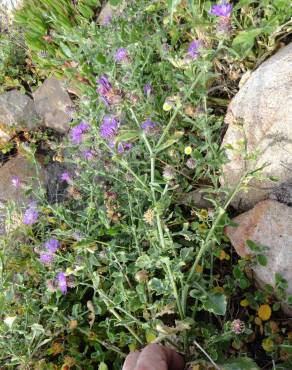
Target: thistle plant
121 263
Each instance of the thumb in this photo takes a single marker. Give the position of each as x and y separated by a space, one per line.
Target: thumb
157 357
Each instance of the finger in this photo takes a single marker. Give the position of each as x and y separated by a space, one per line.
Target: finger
157 357
131 361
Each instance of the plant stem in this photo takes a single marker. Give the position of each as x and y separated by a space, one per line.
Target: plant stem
175 292
177 109
206 354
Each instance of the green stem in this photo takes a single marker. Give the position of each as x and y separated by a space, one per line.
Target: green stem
175 291
177 109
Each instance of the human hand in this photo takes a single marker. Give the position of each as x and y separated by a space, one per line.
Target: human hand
154 357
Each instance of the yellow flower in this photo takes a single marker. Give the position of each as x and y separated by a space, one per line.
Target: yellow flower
203 214
244 303
268 345
167 106
264 312
188 150
202 228
199 269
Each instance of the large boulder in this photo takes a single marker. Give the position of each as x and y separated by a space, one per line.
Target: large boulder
268 224
53 104
261 114
17 112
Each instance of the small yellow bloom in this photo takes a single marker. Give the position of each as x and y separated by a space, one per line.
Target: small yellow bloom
202 228
203 214
227 257
199 269
264 312
167 106
268 345
188 150
244 303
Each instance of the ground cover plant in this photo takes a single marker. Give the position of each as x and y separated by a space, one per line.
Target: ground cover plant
129 257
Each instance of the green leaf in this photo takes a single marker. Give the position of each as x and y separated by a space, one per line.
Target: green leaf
262 260
128 135
102 366
253 246
215 303
242 363
172 4
115 2
244 41
66 50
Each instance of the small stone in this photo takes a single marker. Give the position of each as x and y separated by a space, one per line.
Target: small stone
52 102
268 224
17 112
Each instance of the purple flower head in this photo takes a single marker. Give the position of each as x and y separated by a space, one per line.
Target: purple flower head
109 128
62 282
88 154
121 55
15 181
31 215
78 131
65 176
124 146
107 19
104 85
148 125
193 50
222 9
147 89
46 258
52 245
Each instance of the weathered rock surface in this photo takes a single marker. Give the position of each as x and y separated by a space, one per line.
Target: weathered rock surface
269 223
17 111
52 103
26 173
262 112
108 11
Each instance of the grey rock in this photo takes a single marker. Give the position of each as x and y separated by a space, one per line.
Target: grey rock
261 112
17 112
52 103
267 224
196 198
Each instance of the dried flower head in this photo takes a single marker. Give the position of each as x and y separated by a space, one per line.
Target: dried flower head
237 326
149 216
191 163
168 173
